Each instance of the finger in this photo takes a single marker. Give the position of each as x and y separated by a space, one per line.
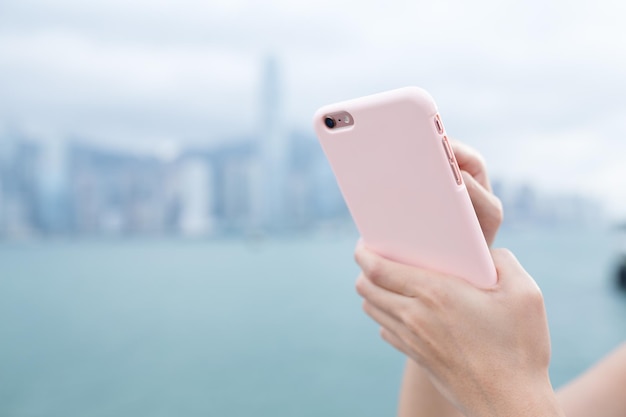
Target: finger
389 337
471 161
487 206
392 331
382 272
511 274
391 303
392 276
384 319
407 281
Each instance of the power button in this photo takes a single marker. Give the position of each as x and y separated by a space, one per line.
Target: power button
456 172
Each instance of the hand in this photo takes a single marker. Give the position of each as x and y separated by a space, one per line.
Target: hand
486 351
487 206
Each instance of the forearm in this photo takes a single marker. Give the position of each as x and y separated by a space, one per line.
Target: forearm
419 398
601 391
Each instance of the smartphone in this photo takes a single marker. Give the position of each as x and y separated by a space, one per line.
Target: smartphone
398 175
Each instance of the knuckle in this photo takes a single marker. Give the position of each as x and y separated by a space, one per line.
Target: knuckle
405 285
494 216
375 270
532 300
360 285
403 312
441 298
498 210
480 160
384 334
503 254
534 295
412 321
358 255
392 339
434 296
366 306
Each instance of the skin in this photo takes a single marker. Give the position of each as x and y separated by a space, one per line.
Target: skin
486 352
478 352
418 396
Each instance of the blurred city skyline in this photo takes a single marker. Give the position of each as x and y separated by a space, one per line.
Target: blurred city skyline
537 88
77 189
275 182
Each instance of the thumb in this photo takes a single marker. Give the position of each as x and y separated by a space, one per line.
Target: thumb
487 206
511 274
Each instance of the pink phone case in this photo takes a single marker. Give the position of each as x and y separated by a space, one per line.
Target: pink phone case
403 187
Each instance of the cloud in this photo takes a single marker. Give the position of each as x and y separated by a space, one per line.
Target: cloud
533 85
63 83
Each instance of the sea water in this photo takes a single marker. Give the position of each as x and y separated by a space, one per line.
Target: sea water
244 328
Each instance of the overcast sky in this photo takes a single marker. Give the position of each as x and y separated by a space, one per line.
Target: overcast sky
538 87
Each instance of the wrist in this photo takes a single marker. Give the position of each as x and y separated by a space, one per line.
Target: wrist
540 402
534 399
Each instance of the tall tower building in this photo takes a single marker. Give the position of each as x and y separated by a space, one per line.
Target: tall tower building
273 149
196 179
53 211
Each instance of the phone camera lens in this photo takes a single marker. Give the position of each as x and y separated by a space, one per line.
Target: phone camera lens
330 122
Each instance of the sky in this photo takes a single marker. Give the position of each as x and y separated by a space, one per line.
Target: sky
538 87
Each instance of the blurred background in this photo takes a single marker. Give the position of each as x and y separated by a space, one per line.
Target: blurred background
172 240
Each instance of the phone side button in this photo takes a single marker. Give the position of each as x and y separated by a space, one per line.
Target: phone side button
448 149
456 172
439 124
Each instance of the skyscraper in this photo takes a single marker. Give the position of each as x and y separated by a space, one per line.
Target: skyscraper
273 149
196 197
52 189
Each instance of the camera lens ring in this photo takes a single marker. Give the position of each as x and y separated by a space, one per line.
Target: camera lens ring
329 122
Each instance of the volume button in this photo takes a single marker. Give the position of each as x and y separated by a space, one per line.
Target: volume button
452 161
448 149
457 173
